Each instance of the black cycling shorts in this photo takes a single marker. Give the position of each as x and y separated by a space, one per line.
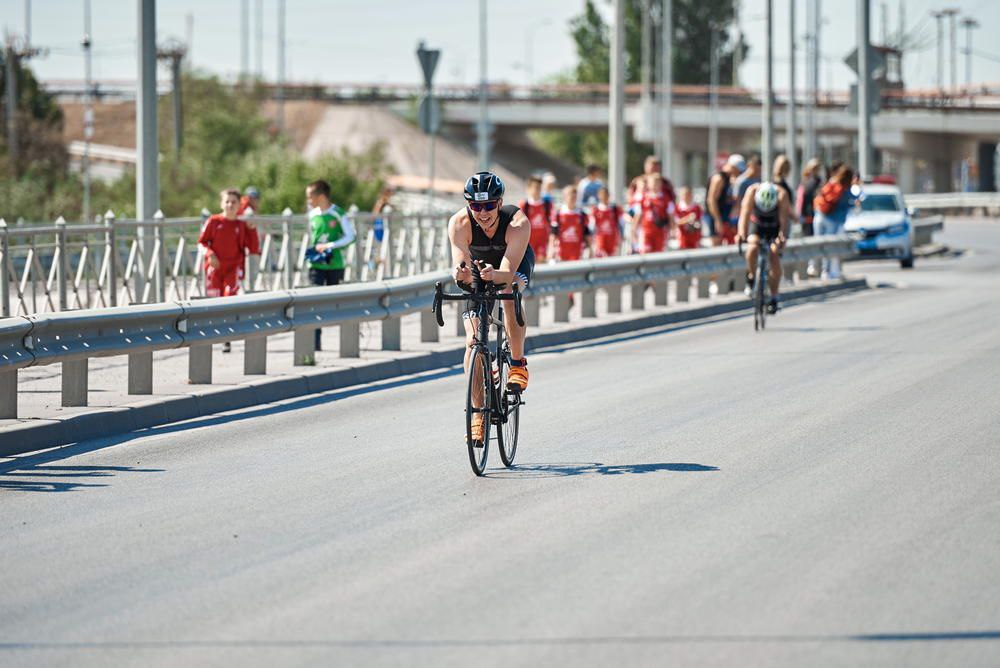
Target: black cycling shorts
768 232
524 271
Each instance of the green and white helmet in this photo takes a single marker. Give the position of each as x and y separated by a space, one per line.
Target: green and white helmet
767 196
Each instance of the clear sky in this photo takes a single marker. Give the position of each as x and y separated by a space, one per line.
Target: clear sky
374 40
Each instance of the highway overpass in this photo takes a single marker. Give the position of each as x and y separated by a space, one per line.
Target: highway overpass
820 494
921 135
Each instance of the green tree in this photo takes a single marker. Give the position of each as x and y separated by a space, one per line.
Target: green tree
694 21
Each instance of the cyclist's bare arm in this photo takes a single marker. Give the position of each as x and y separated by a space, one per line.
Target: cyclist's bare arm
518 235
784 211
460 235
712 198
745 208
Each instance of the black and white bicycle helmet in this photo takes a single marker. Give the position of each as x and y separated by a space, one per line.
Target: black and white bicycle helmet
483 187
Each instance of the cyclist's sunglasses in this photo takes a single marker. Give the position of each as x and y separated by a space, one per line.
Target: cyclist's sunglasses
484 206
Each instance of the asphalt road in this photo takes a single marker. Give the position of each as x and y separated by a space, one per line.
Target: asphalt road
825 493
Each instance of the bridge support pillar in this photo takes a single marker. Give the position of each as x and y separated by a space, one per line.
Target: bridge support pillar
74 383
614 299
8 394
683 289
392 333
589 304
304 347
350 339
562 306
255 356
140 373
428 327
200 364
703 284
803 268
660 291
533 311
739 279
638 296
722 283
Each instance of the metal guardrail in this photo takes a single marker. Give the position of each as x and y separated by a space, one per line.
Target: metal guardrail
72 337
955 201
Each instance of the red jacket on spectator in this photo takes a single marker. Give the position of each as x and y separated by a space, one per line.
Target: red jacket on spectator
229 241
571 230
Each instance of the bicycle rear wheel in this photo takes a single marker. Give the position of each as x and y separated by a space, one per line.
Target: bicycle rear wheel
479 381
759 307
510 415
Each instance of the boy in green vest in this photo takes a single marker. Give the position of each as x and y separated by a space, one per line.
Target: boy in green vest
330 232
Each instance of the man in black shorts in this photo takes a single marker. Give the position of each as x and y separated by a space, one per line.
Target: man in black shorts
495 236
764 218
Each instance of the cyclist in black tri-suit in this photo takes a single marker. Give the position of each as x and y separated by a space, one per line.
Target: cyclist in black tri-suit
496 238
764 217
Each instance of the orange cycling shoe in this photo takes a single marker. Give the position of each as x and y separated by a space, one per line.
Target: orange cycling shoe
517 379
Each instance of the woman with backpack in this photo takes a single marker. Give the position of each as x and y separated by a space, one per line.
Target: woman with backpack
831 206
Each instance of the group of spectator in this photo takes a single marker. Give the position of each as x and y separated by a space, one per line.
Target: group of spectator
230 236
586 222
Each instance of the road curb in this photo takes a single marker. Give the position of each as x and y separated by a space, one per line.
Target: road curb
111 421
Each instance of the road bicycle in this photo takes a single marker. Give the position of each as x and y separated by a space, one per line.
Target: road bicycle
488 369
759 292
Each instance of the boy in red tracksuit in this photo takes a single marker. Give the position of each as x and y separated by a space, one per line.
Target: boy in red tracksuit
605 224
570 232
227 240
657 207
688 217
539 214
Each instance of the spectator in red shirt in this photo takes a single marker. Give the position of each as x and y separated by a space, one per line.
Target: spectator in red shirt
605 225
227 240
570 232
687 214
539 214
657 208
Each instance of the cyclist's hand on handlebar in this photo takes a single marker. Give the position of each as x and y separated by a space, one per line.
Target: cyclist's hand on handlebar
486 272
463 274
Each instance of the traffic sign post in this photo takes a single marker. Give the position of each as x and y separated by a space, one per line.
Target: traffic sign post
429 113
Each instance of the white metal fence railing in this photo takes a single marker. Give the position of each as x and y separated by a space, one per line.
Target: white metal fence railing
60 266
71 338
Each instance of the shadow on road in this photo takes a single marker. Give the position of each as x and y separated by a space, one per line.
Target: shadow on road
15 463
47 478
859 328
591 468
387 643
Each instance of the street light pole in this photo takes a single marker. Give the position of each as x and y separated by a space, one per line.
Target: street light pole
767 122
713 101
616 108
482 127
940 48
792 131
667 152
809 150
864 90
88 111
147 178
969 24
279 92
952 12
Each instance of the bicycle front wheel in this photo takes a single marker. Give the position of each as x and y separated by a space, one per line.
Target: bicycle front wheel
759 307
510 412
479 391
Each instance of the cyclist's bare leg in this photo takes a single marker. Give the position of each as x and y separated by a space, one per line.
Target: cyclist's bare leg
753 248
515 332
471 327
774 277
